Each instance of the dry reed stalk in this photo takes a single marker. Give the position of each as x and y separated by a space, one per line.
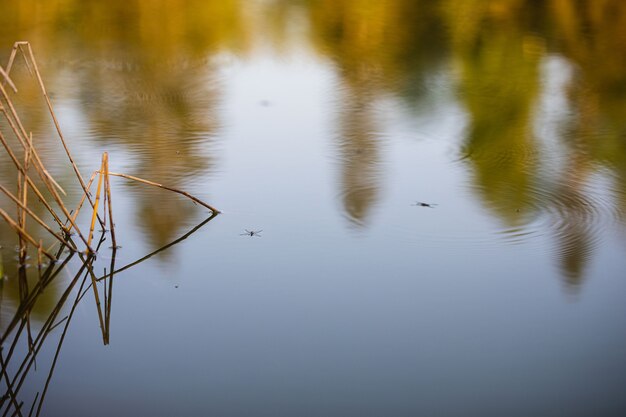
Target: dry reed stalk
30 71
39 262
23 137
54 118
19 45
69 217
40 168
7 79
192 198
13 55
43 173
107 189
28 147
20 219
33 215
30 182
23 233
22 186
12 58
95 207
16 125
82 199
25 182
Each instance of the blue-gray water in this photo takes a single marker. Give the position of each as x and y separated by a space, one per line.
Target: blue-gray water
323 125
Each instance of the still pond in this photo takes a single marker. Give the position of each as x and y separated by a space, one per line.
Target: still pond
423 208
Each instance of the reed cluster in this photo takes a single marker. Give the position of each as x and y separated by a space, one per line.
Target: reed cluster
30 168
34 179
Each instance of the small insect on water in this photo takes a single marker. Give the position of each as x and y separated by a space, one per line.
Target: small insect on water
420 204
256 233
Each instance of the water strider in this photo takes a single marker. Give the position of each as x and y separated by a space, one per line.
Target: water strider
255 233
420 204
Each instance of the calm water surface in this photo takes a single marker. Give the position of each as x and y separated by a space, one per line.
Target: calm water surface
323 124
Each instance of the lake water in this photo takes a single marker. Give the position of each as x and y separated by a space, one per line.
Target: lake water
438 187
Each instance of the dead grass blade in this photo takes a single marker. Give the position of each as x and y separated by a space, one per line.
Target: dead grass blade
95 206
33 215
155 184
107 189
7 79
25 234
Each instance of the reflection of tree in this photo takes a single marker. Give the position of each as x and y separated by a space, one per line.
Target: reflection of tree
156 28
166 115
593 36
389 48
359 149
400 42
574 236
499 82
499 53
379 48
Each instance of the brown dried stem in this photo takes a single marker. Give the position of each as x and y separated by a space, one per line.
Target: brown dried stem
7 79
33 215
54 118
22 185
82 199
16 46
50 188
24 234
95 207
107 189
43 173
16 125
192 198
